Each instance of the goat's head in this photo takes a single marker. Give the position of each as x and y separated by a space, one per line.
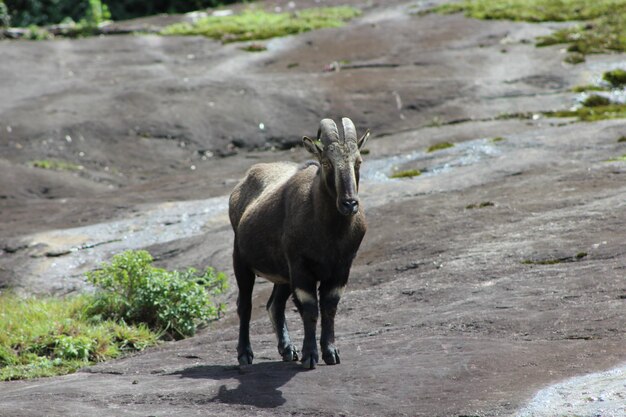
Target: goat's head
340 159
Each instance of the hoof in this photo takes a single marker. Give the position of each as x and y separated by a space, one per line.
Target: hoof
245 357
331 357
310 360
290 354
309 363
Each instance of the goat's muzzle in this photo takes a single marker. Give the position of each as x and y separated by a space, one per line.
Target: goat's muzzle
349 206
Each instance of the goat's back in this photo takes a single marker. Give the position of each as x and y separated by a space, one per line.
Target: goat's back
260 183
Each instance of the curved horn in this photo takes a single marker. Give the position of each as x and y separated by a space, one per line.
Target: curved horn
328 132
349 131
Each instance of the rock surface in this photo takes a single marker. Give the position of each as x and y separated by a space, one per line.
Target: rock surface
455 307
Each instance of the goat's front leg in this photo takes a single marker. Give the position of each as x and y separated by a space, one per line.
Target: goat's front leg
305 298
330 294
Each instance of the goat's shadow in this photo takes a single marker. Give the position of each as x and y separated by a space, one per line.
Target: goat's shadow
258 383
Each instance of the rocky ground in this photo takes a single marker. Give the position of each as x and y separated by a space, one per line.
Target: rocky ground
454 307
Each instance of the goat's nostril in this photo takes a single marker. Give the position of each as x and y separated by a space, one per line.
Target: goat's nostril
351 204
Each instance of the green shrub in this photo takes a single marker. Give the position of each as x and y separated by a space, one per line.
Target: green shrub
5 17
73 347
617 78
595 100
131 290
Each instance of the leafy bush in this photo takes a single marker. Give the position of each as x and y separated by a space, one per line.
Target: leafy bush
131 290
5 18
596 100
617 78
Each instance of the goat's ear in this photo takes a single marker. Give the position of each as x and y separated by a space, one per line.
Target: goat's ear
361 142
311 146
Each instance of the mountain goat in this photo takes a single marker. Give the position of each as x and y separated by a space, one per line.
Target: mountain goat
300 227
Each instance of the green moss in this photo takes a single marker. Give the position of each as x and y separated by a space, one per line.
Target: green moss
258 24
255 47
497 139
480 205
439 146
601 35
55 165
617 78
534 10
590 114
595 100
621 139
409 173
604 29
589 87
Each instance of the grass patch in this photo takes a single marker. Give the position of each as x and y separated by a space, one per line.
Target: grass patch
55 165
603 30
409 173
439 146
55 336
258 24
134 305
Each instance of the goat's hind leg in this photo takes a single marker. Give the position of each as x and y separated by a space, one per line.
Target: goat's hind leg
245 282
276 309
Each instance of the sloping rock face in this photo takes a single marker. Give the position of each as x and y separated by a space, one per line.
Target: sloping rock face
498 271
